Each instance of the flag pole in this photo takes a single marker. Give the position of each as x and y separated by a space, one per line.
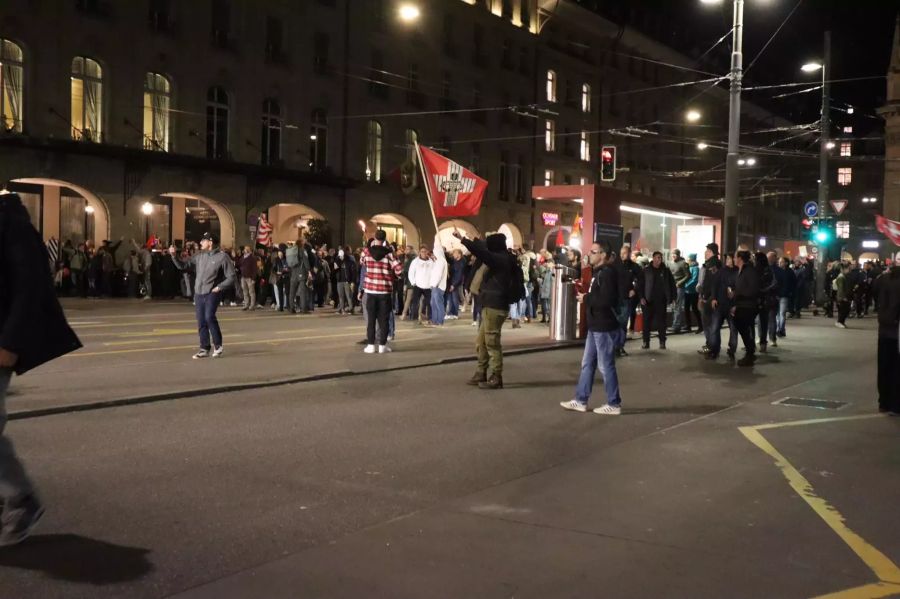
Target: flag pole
427 187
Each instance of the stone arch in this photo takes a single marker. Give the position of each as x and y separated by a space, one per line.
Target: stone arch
513 235
285 219
395 221
226 219
94 202
551 236
445 230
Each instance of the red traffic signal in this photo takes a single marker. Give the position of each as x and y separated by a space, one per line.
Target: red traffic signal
608 163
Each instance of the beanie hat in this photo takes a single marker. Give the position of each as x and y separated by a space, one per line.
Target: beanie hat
496 242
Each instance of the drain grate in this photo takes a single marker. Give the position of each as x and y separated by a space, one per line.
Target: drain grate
806 402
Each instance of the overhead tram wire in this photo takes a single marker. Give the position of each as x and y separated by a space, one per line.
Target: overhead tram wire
774 35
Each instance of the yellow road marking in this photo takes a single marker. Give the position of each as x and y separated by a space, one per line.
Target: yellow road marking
887 571
194 346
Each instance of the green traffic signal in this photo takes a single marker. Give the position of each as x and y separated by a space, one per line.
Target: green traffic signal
822 236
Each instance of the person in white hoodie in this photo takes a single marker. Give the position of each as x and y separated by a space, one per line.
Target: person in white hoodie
420 279
438 284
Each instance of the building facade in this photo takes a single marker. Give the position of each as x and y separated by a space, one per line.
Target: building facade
891 115
156 117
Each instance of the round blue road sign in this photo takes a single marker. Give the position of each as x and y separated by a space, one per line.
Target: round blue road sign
810 209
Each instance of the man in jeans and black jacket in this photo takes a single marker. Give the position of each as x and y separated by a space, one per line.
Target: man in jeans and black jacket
746 304
33 331
604 335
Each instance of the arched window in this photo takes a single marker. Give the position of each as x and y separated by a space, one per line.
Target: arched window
87 99
374 140
551 86
12 75
271 132
157 101
216 123
412 138
318 141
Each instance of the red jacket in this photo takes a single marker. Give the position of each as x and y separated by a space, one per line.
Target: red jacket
382 269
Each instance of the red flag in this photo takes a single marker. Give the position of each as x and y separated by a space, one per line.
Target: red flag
560 240
890 228
455 191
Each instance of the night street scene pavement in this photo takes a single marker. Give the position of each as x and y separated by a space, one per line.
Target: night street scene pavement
453 299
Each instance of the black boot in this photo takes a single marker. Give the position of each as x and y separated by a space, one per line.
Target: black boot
495 382
747 360
477 378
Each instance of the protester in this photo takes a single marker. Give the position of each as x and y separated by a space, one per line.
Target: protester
604 335
634 274
439 273
33 331
249 271
713 293
301 260
843 295
691 297
746 304
886 288
495 293
768 299
786 283
382 270
215 273
344 276
656 289
420 279
457 275
682 274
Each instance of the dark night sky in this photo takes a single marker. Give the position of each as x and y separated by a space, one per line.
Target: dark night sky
862 32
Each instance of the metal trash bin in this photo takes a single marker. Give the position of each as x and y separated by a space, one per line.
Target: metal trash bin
563 305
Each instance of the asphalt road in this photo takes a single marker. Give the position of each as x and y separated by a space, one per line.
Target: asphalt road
411 484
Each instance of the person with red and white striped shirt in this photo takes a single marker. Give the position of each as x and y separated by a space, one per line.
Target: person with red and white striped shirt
382 269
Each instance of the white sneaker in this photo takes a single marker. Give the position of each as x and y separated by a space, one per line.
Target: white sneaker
384 349
840 326
218 351
203 353
474 323
574 405
608 410
370 349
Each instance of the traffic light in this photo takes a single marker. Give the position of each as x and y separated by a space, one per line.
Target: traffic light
806 229
608 163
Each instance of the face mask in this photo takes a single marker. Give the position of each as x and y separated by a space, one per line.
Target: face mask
341 254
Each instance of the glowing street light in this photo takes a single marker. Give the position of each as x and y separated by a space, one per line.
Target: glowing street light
741 162
147 208
409 13
89 209
702 145
811 67
693 116
829 145
751 161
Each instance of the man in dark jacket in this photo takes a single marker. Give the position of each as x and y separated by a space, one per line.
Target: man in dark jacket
494 296
457 276
786 283
746 304
682 274
631 274
604 336
657 291
887 289
714 294
33 331
768 298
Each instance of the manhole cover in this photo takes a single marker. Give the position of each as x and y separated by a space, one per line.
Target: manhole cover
806 402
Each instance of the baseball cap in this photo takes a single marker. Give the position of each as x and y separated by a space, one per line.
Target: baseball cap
208 236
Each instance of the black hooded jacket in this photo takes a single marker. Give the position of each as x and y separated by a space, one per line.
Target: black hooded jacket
32 323
498 279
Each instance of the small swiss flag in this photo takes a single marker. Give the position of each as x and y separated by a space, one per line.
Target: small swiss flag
455 191
890 228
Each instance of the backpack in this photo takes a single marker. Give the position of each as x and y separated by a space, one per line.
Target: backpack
516 290
293 256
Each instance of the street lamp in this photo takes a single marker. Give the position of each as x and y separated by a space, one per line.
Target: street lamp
147 209
732 177
702 145
751 162
409 13
693 116
824 146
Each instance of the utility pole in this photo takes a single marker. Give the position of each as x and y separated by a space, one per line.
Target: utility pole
732 177
825 129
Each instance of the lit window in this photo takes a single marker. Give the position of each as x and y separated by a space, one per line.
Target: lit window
216 123
846 148
585 98
842 229
845 175
583 181
848 129
271 131
550 135
157 99
12 71
585 146
374 138
318 141
87 99
551 86
548 178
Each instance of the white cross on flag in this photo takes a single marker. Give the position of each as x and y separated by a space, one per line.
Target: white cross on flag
890 228
455 191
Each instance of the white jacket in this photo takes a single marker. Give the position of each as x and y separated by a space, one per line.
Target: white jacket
420 273
439 268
